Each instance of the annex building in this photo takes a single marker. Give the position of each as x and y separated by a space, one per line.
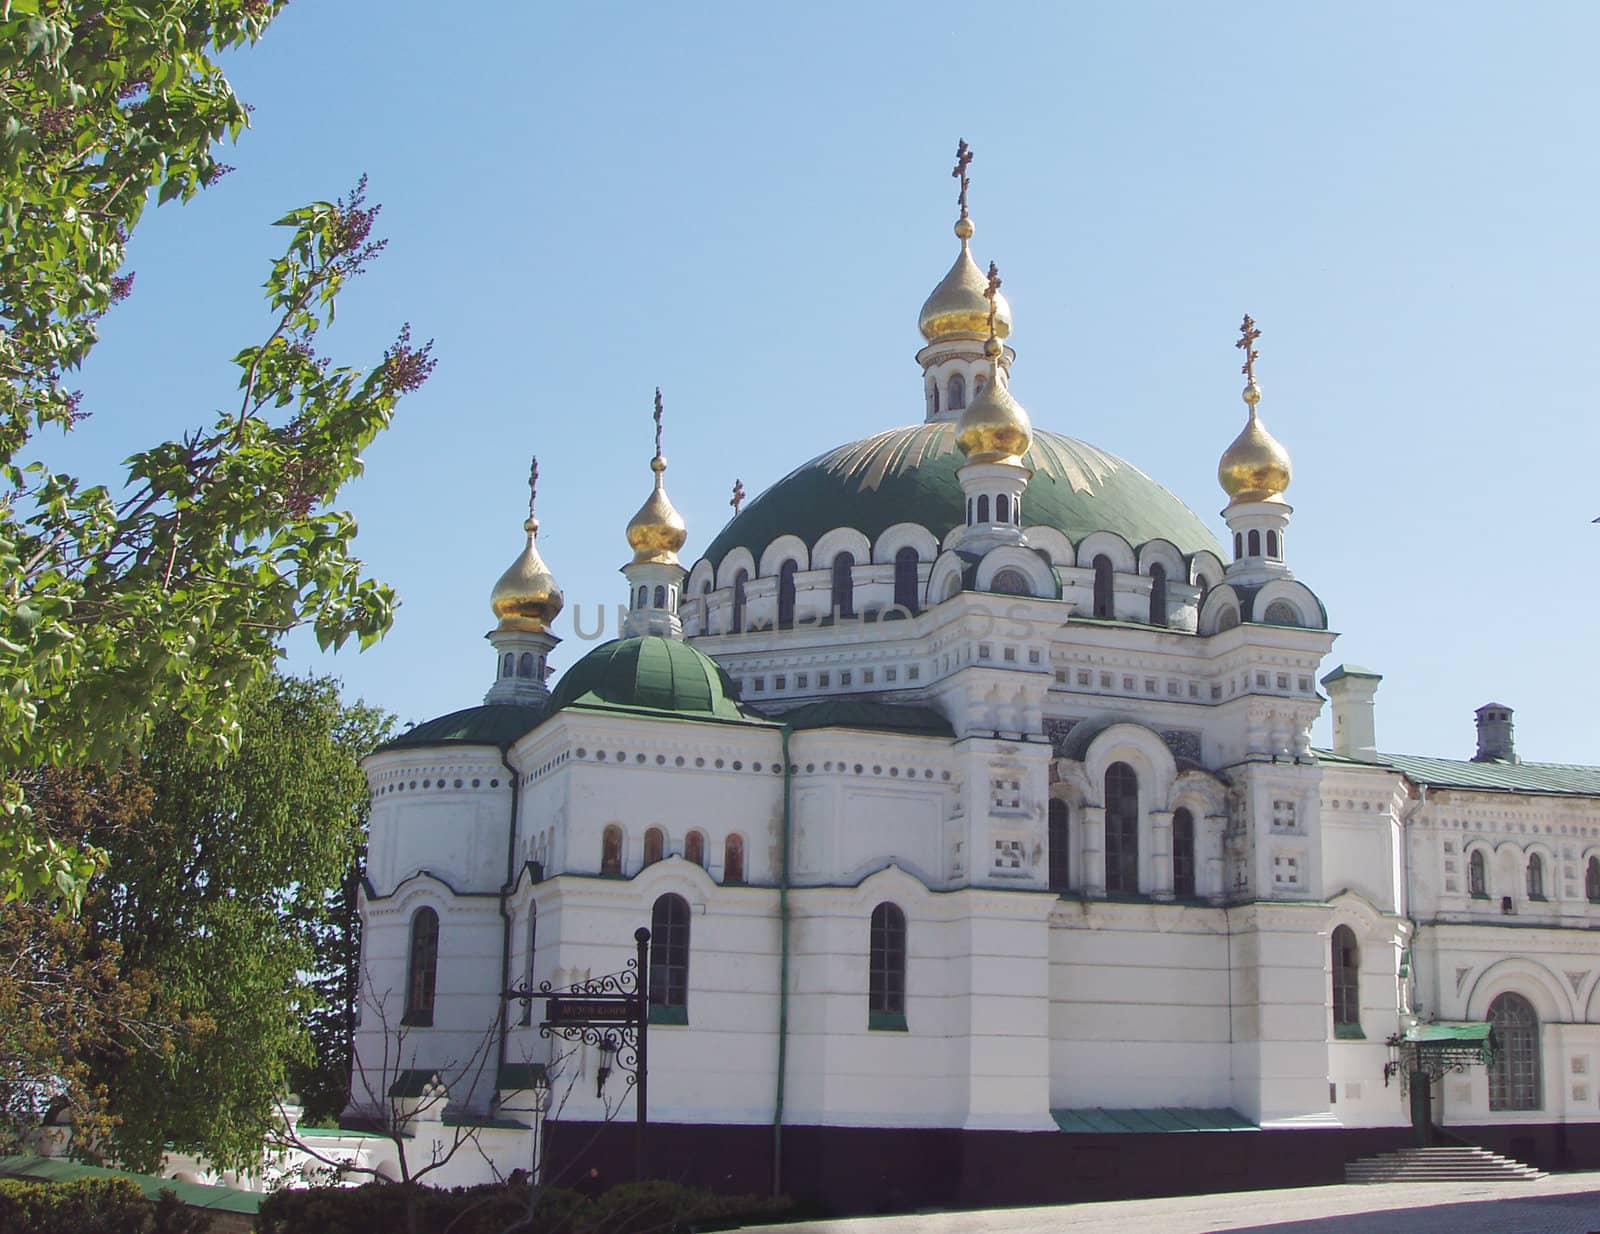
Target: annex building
965 782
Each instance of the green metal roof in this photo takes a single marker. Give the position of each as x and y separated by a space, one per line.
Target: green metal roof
493 724
195 1195
649 674
863 713
1162 1120
1445 1030
908 475
1561 778
1351 670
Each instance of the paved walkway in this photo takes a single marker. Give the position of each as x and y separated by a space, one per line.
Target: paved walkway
1560 1204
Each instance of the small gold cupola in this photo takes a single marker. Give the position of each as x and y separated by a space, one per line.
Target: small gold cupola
527 596
657 531
958 307
1256 466
994 428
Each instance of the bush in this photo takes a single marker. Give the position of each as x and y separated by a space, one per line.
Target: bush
92 1206
631 1208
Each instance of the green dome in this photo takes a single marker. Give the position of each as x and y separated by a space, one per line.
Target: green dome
908 475
651 674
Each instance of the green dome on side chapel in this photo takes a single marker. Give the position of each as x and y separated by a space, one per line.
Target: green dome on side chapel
651 674
908 475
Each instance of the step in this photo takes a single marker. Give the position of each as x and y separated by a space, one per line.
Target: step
1440 1163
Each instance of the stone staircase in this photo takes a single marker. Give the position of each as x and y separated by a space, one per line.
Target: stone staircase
1439 1164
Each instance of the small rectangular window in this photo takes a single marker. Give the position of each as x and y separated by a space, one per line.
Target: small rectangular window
802 680
914 672
1194 689
780 682
1061 677
1283 681
1084 678
1305 684
1216 692
1105 681
868 675
1128 684
1009 655
844 676
891 674
983 651
1261 681
1033 655
760 684
824 680
1149 685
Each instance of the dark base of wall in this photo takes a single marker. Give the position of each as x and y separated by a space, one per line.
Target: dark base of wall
839 1171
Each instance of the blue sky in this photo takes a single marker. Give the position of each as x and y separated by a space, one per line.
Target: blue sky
746 205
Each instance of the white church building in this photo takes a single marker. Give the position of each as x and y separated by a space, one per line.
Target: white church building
965 782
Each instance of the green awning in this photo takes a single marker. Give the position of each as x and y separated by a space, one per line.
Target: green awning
1160 1120
195 1195
1464 1032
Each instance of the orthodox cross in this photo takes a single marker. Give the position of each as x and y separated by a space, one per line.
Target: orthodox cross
533 485
738 495
963 160
658 421
1248 334
991 294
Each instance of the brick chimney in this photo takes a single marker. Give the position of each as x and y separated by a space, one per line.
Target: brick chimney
1497 735
1352 688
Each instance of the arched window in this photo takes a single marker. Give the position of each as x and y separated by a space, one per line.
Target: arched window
736 622
844 587
905 579
423 970
1591 881
933 397
533 947
508 667
1102 586
661 596
1002 509
886 969
958 393
1122 829
1060 865
1514 1074
1016 511
1227 619
1535 877
705 587
642 598
694 847
1272 544
1182 853
978 384
1255 543
983 508
1281 613
525 664
611 850
1477 874
655 845
733 860
669 960
1158 594
786 573
1238 545
1010 582
1346 983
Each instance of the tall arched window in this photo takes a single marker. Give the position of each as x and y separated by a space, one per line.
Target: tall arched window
1535 877
1060 866
525 664
533 947
844 587
655 845
886 969
736 622
1238 545
1591 881
983 508
1102 586
786 573
694 847
1346 983
508 667
611 850
1255 543
1182 853
1158 594
643 597
661 596
733 860
669 960
1272 544
423 969
1002 509
1477 874
905 579
958 393
1122 829
1514 1074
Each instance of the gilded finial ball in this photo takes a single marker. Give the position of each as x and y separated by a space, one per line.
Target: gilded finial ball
991 348
658 464
1252 394
964 228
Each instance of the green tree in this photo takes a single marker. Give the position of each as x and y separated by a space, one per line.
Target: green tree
168 591
216 900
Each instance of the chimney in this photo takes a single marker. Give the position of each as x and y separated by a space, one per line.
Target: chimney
1352 688
1497 736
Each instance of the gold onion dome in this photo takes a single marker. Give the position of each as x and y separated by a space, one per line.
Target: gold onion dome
1256 466
657 531
957 308
994 428
527 597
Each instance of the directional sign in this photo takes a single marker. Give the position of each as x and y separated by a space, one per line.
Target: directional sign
598 1010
